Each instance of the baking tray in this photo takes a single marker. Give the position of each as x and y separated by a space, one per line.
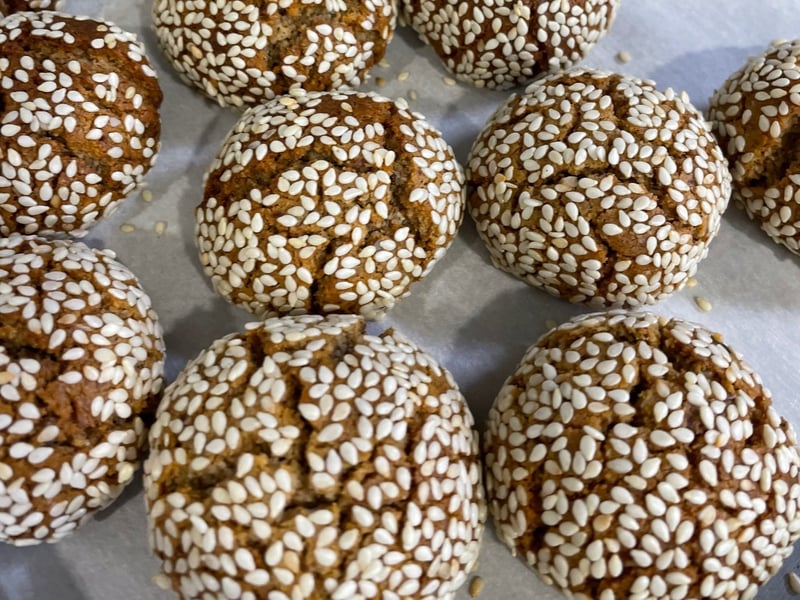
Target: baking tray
474 319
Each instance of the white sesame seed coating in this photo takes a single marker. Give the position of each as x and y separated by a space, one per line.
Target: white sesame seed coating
329 202
598 188
79 123
11 6
634 456
304 459
504 43
243 52
81 357
755 117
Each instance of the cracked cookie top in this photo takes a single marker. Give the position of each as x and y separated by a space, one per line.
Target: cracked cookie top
79 122
305 459
243 52
505 43
328 202
755 117
81 362
631 455
598 188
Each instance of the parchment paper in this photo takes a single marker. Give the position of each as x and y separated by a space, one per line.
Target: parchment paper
473 318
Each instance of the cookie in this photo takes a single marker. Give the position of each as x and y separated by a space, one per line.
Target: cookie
243 53
79 122
328 202
755 117
305 459
631 455
503 44
598 188
11 6
81 361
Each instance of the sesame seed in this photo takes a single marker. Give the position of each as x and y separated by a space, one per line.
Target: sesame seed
794 582
703 303
476 587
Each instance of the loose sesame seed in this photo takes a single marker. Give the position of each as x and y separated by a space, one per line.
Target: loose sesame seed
703 303
476 586
794 582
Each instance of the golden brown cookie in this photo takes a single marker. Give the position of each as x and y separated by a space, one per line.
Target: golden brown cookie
81 360
241 53
504 43
79 122
305 459
755 116
328 202
598 188
631 455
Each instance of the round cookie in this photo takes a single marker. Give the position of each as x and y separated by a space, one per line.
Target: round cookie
79 123
242 53
330 202
11 6
755 117
634 456
500 44
81 359
598 188
305 459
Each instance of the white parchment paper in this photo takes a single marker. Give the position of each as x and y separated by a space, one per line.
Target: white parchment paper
476 320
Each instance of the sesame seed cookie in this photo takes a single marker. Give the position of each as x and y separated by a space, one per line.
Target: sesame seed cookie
329 202
79 122
500 44
81 359
241 53
598 188
755 117
11 6
634 456
305 459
